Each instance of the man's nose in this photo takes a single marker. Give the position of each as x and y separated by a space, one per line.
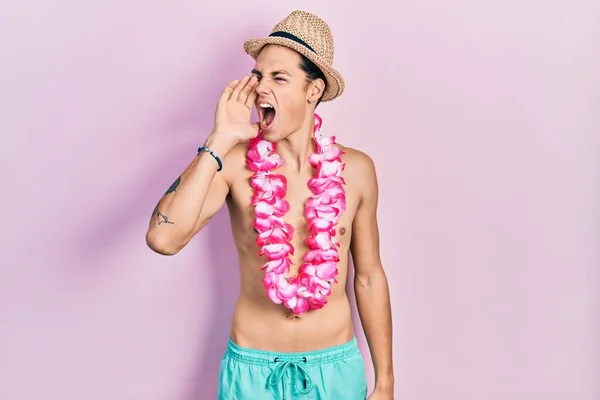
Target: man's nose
262 88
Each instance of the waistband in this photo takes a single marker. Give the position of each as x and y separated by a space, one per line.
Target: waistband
329 354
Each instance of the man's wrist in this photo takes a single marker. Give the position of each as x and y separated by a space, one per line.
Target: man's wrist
219 145
385 382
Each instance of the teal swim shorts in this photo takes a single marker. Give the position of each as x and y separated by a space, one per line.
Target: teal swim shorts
334 373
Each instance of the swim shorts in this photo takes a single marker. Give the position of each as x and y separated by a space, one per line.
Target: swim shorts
333 373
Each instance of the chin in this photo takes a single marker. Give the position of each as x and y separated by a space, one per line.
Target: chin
271 136
271 133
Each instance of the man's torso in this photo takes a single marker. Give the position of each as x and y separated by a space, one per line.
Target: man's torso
257 321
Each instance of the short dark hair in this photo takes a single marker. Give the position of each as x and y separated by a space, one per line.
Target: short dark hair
312 72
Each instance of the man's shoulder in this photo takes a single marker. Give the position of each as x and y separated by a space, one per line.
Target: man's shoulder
358 162
359 172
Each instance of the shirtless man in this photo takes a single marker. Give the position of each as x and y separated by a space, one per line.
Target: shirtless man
291 335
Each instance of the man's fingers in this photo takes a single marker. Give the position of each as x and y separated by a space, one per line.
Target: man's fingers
225 95
238 88
247 89
251 99
252 95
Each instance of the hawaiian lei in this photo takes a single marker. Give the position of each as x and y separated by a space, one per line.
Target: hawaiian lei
307 290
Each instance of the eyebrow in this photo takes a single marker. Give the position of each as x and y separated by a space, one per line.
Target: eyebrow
273 73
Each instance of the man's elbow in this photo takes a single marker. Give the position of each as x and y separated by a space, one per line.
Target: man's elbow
162 245
367 277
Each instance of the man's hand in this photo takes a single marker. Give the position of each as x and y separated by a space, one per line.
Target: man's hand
380 394
232 116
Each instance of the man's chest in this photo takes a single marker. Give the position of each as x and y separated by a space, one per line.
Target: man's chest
302 205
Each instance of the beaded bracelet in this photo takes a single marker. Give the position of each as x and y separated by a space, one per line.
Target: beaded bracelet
209 151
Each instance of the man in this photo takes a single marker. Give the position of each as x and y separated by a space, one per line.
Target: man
299 205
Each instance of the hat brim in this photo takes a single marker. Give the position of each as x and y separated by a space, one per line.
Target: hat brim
335 81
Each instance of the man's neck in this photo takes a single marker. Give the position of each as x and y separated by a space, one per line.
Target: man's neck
298 146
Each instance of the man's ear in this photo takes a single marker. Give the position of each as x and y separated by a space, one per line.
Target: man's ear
315 90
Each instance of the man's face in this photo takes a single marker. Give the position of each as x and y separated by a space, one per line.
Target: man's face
282 92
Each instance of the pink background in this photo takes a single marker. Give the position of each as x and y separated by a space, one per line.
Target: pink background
483 120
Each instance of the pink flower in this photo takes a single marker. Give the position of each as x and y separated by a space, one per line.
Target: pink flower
268 278
268 187
326 212
286 290
319 256
260 156
263 224
281 234
320 275
321 225
322 240
266 164
303 290
279 266
275 251
317 301
317 284
332 153
263 210
273 295
278 208
327 271
319 185
298 304
318 122
330 168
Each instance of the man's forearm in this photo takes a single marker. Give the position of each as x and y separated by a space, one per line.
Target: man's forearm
373 301
177 213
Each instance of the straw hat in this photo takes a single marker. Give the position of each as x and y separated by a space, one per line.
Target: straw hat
310 36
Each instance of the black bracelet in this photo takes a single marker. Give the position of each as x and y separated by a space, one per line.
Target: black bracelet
209 151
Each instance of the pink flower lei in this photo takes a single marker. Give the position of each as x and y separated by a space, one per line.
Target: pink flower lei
307 290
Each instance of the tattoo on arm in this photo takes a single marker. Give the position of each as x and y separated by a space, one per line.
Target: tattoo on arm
174 186
161 217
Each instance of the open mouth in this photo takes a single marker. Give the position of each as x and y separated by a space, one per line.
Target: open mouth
266 113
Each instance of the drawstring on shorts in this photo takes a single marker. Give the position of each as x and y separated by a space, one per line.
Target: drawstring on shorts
297 374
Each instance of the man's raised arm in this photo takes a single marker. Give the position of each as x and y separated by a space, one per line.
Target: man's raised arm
198 194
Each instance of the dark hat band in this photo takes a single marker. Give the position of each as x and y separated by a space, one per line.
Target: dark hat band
294 38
